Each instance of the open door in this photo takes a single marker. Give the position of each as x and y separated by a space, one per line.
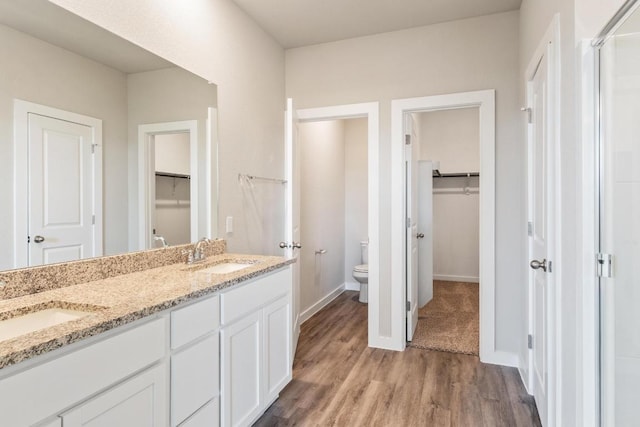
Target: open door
425 232
292 225
411 205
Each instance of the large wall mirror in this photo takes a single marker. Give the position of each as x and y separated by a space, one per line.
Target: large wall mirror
105 147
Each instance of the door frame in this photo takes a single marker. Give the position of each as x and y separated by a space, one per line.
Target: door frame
145 133
484 100
369 110
549 46
21 110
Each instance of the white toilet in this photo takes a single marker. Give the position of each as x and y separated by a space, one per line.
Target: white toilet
361 272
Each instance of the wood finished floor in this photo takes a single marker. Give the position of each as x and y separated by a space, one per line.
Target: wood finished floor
338 380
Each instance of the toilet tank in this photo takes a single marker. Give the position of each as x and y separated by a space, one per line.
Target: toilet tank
364 251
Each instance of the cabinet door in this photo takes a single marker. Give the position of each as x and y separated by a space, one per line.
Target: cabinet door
140 401
194 378
277 342
207 416
241 366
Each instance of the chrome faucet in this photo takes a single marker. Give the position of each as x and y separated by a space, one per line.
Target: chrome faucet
197 254
157 238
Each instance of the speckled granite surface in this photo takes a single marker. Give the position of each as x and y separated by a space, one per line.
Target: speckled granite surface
115 301
27 281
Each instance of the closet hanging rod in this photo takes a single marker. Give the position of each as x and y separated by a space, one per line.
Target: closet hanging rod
261 178
437 174
173 175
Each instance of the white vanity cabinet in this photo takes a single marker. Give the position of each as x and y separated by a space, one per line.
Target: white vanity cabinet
256 346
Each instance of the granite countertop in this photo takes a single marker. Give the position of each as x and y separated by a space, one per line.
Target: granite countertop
119 300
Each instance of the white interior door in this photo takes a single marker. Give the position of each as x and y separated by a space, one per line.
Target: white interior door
620 233
539 214
425 232
291 242
411 200
61 191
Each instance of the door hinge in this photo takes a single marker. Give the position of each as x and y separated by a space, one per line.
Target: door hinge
408 222
529 341
93 220
28 239
604 265
407 139
408 305
529 112
530 228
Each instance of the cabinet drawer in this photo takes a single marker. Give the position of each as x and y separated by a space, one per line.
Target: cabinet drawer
194 321
139 401
195 377
250 297
207 416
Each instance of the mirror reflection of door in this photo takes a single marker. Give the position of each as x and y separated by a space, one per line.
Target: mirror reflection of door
171 218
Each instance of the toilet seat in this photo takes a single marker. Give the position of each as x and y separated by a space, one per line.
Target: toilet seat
362 268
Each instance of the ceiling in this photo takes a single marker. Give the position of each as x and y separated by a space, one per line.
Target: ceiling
295 23
59 27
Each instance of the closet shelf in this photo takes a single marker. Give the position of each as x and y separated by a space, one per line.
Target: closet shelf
173 175
437 174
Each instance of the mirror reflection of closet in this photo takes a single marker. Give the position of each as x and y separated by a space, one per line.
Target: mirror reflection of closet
171 217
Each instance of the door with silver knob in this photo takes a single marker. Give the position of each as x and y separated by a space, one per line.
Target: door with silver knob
64 189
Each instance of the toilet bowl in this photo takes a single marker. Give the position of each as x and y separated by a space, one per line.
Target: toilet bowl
361 272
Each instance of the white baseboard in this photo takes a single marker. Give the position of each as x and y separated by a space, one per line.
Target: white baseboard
352 286
451 278
524 380
503 358
306 315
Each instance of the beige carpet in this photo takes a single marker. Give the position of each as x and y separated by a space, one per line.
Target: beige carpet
450 321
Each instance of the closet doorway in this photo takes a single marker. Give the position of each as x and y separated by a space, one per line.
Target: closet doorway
444 198
404 163
168 183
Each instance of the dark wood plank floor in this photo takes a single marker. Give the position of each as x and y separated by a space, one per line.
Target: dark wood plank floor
338 380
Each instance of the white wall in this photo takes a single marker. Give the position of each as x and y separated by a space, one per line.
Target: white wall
465 55
216 40
322 209
356 200
452 137
172 153
35 71
173 210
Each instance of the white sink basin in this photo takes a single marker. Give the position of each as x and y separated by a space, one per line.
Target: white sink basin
31 322
225 268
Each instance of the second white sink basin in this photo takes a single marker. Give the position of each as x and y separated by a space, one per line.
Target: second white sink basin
225 268
31 322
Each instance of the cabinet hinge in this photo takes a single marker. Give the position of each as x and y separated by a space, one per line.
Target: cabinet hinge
529 341
408 305
530 228
407 139
604 265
